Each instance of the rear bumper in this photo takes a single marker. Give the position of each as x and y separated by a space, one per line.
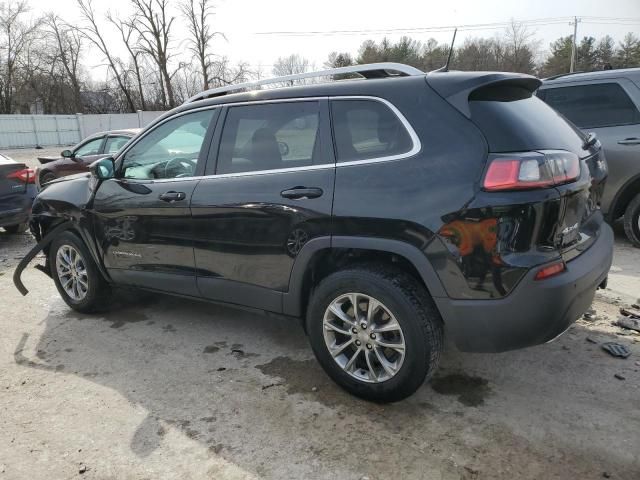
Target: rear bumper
535 311
17 208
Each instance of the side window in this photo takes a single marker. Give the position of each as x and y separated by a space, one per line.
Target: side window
592 106
365 129
113 144
170 150
270 136
92 147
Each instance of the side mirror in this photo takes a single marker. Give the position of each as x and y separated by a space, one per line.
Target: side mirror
103 169
67 153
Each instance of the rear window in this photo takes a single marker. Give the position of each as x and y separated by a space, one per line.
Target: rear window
592 106
367 129
514 120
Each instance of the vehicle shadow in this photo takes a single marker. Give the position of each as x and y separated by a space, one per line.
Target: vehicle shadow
246 386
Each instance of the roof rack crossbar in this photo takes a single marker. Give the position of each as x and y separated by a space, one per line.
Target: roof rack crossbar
370 70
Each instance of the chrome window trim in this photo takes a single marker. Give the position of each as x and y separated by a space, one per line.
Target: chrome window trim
415 140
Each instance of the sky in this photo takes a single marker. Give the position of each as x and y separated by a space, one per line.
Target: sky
248 26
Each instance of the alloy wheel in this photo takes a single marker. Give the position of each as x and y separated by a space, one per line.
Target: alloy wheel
72 272
363 337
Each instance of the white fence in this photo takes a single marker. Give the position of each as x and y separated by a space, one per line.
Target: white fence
28 131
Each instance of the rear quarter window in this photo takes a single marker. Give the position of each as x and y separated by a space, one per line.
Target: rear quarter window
593 106
512 119
367 129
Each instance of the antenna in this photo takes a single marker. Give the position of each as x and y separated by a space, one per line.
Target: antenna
446 65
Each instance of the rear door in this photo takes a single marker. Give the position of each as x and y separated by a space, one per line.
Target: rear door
268 194
113 144
142 218
611 109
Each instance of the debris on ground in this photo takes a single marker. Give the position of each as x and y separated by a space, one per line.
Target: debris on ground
591 340
619 377
589 315
82 468
616 349
630 312
629 323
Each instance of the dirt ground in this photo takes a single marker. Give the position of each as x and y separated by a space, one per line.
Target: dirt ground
168 388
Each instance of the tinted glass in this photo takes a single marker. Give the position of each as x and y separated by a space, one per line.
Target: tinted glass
512 119
113 144
365 129
270 136
596 105
92 147
171 150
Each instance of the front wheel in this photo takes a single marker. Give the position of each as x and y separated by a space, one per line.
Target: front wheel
76 275
375 331
632 221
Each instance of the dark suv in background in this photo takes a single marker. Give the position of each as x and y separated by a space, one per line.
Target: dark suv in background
379 210
607 103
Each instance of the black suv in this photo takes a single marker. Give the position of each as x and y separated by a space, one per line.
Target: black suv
379 210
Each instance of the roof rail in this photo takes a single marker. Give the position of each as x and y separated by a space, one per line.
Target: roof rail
560 75
370 70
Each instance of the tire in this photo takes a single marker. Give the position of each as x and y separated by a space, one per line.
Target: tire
19 228
402 299
95 293
47 177
632 221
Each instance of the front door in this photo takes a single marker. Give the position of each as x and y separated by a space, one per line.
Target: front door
142 217
271 193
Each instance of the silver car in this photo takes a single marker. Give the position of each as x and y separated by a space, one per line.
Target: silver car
607 103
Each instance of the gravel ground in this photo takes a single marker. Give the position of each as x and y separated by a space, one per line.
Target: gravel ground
169 388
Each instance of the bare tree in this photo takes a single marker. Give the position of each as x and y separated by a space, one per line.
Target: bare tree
291 65
68 41
520 47
153 24
94 35
126 30
16 34
197 14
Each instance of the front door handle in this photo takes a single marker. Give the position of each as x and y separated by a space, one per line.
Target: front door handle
171 197
630 141
298 193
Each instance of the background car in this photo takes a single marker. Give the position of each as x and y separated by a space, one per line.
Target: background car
608 104
78 158
17 191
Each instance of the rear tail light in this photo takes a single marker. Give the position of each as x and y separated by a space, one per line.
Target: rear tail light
551 270
531 170
26 175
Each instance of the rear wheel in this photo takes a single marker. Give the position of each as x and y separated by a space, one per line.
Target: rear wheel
19 228
76 275
632 221
375 331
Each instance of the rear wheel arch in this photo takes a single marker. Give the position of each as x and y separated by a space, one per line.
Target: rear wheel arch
323 256
623 198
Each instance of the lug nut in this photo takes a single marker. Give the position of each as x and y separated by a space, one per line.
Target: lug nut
354 330
363 325
358 342
373 336
369 346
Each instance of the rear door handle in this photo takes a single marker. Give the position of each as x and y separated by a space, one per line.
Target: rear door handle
630 141
298 193
171 197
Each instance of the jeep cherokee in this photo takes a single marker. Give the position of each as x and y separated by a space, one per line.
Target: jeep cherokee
378 210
